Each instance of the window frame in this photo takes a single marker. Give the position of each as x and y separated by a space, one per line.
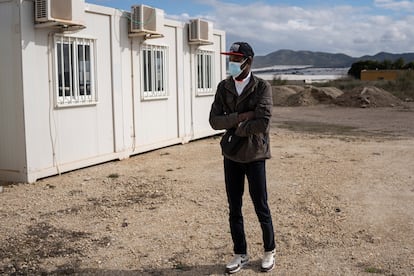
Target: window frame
79 67
158 56
203 74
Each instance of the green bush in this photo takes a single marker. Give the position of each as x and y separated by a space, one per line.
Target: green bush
357 67
278 81
344 84
402 87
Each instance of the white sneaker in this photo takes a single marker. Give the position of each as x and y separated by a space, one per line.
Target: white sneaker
268 261
237 263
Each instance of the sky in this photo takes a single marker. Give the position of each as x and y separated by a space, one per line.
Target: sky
355 28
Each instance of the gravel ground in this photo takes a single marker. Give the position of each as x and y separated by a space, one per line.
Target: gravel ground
341 192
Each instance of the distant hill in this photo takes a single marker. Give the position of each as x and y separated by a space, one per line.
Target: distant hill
321 59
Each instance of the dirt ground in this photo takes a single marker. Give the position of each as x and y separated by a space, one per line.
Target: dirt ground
341 192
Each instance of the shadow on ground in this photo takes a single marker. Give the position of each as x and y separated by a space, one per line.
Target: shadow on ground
213 269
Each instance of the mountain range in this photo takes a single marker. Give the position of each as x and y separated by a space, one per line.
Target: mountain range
322 59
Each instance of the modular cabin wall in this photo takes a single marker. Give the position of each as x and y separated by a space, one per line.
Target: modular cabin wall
67 136
201 101
12 146
181 113
41 136
156 117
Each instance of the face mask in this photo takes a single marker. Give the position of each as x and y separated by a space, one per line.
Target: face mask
235 68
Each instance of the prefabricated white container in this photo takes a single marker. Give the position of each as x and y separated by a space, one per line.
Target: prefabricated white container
40 137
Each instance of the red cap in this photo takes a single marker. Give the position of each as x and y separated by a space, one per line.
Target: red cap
240 49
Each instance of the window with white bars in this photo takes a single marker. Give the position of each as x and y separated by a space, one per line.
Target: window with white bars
204 73
75 70
154 72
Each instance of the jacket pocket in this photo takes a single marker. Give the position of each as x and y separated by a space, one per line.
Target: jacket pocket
231 143
260 142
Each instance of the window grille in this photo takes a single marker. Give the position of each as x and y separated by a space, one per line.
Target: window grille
204 73
154 68
75 70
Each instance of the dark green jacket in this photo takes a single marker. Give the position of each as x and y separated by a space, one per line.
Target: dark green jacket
257 97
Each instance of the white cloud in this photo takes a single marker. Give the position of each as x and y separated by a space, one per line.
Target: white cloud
351 30
393 35
395 5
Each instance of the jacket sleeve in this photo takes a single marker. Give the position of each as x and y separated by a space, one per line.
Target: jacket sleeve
220 118
263 112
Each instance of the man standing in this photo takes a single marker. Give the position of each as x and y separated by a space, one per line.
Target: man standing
243 106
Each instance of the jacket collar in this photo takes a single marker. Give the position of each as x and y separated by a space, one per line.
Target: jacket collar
230 86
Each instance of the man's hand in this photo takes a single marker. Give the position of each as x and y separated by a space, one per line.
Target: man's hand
246 116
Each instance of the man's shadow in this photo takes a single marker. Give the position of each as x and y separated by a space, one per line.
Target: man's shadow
213 269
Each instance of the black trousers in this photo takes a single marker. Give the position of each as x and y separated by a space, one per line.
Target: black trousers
234 174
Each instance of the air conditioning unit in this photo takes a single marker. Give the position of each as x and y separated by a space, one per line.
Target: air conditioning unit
59 12
200 32
146 20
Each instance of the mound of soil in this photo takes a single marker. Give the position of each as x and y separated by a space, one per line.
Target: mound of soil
302 98
369 96
326 94
282 92
295 95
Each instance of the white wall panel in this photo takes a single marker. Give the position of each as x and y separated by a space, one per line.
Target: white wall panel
12 148
202 104
156 121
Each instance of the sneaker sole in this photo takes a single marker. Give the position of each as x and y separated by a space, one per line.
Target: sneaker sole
237 269
267 269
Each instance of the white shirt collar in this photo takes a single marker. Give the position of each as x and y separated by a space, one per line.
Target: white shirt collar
246 79
240 85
